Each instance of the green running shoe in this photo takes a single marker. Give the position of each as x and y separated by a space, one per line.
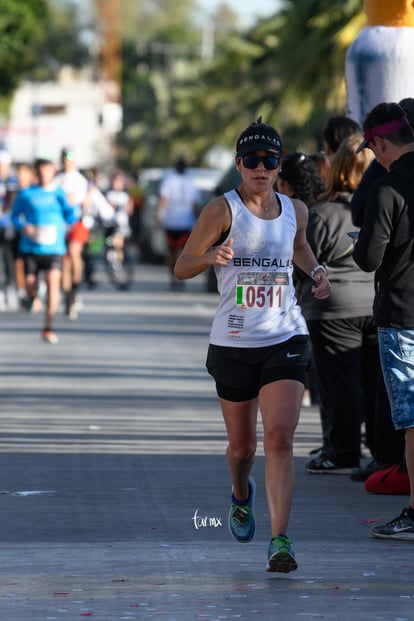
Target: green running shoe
281 555
242 524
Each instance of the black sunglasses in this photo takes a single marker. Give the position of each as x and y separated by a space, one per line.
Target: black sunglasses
270 162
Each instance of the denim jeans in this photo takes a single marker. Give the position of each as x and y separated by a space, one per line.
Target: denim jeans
396 347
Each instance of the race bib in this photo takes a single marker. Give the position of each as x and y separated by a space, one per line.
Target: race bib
263 290
46 234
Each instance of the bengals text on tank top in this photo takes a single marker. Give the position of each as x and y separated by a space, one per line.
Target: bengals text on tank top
257 305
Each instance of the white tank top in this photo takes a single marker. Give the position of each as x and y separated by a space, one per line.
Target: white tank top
257 305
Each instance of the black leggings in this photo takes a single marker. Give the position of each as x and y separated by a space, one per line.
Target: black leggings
351 388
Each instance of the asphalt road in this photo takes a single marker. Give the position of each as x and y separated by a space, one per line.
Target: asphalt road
114 487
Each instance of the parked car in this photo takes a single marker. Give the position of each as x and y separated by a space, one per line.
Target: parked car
153 247
229 180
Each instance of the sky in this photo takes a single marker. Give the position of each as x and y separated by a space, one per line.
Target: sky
247 10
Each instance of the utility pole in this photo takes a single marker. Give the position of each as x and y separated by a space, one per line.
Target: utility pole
108 19
108 13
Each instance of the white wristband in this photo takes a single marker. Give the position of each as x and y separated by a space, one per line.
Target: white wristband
317 268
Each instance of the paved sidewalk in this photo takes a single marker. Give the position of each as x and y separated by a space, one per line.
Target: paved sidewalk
114 487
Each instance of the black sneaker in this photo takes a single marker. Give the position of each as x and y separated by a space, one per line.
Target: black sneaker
316 452
363 472
323 465
402 527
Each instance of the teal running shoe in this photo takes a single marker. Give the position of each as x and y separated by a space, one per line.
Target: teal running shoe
281 555
242 524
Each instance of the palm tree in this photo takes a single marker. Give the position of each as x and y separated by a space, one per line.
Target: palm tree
289 68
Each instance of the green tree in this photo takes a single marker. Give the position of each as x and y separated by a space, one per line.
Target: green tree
38 37
289 68
22 24
161 48
144 20
310 39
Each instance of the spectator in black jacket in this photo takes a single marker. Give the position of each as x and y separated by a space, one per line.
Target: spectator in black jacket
386 246
387 446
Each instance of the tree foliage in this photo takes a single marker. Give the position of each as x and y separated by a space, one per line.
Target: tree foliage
311 39
22 27
160 49
189 83
289 68
37 37
144 20
62 42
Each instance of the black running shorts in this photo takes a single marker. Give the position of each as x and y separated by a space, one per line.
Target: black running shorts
35 263
240 372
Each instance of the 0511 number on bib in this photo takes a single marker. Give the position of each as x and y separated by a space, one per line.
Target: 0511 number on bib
263 290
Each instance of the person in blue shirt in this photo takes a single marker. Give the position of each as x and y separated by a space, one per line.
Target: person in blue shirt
41 214
8 186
